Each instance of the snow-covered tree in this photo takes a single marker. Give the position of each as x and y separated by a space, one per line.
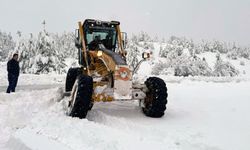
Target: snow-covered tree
219 47
20 46
27 54
202 67
191 66
46 52
223 68
233 52
65 44
143 37
7 44
161 68
46 59
136 46
175 47
133 53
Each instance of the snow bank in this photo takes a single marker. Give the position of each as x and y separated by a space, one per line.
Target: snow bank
18 109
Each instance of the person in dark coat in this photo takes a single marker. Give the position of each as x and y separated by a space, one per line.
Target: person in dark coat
13 73
93 45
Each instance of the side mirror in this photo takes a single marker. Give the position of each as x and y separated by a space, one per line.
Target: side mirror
145 55
124 40
77 39
125 52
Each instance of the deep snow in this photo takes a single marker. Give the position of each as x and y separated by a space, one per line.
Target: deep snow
200 116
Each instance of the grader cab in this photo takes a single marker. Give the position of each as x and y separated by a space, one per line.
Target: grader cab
104 74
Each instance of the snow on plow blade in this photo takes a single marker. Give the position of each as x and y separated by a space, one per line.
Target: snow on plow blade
123 82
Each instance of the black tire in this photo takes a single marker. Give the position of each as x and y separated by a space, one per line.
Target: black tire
71 78
156 97
91 105
83 97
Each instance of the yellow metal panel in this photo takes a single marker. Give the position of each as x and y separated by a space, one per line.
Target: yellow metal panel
84 50
107 60
120 41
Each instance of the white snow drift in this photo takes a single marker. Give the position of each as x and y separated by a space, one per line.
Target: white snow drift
200 116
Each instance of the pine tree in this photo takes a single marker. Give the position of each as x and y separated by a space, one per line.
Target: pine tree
46 60
21 49
7 45
28 55
132 56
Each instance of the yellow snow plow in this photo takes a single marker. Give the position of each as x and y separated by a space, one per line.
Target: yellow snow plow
104 74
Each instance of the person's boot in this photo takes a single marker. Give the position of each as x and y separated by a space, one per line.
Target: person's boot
8 90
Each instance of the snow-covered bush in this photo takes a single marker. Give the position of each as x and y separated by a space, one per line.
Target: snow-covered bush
183 70
183 66
191 66
160 68
232 55
180 55
202 67
238 52
244 52
223 68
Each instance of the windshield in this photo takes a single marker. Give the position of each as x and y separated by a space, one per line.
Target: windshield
107 37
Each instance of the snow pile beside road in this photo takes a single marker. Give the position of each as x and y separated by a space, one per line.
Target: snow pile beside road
18 109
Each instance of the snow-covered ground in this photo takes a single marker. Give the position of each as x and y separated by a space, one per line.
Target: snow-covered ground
202 114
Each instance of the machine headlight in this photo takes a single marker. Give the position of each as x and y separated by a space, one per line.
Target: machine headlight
145 55
99 53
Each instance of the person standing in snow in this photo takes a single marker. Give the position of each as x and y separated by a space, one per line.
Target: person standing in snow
13 73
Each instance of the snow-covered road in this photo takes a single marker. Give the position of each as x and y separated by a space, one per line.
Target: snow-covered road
200 116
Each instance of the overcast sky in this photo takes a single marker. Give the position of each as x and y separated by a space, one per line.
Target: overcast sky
227 20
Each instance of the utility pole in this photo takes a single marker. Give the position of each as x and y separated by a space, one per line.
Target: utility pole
44 24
